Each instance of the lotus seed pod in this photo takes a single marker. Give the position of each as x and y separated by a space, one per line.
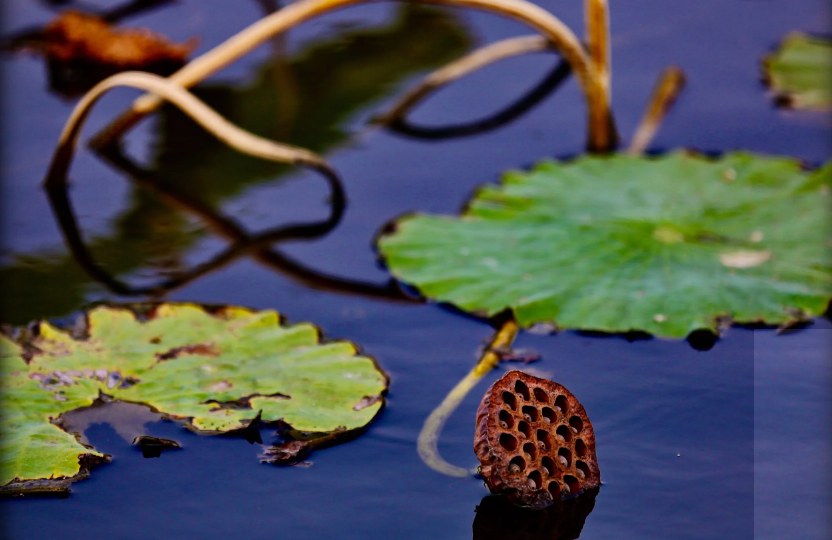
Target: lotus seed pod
534 441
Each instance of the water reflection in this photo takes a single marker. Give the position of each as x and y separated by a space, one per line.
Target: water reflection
308 99
551 82
243 243
498 519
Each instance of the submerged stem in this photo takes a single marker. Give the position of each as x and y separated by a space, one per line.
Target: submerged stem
601 137
432 428
670 84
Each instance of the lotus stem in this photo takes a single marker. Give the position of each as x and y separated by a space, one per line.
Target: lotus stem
601 133
457 69
432 428
596 13
215 124
670 84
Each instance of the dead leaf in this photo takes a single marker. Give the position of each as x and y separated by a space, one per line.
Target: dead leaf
75 35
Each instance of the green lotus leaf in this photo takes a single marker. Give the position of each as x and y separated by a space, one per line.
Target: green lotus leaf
665 245
215 371
800 72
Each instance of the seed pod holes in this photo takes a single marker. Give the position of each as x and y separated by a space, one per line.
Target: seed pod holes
529 431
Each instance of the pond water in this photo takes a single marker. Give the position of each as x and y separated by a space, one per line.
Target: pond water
732 442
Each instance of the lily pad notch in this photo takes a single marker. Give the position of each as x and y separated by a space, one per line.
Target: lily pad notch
667 245
216 370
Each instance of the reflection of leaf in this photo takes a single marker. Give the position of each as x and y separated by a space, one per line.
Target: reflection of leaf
800 72
214 371
307 100
627 243
150 236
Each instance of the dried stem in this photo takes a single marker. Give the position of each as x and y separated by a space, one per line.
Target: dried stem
218 126
596 13
670 84
462 67
432 428
601 136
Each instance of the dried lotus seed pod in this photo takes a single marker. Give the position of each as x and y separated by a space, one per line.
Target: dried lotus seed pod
534 441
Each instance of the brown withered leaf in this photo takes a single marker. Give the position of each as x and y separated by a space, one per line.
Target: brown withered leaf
75 35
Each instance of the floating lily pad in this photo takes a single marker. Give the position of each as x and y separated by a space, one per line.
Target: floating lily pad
665 245
214 371
800 72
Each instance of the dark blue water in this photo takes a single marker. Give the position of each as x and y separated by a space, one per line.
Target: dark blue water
728 443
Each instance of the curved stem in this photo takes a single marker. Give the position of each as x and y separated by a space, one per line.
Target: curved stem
432 428
670 84
600 136
462 67
218 126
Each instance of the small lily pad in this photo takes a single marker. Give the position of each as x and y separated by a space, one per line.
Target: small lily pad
800 72
215 371
665 245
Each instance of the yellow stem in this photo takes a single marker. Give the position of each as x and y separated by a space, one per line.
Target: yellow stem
596 13
670 84
205 116
570 47
432 428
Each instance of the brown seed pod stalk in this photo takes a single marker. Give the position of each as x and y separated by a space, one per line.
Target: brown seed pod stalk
535 441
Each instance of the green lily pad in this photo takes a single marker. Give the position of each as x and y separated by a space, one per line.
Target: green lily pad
215 371
800 72
665 245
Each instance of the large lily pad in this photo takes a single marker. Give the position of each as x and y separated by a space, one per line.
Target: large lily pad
214 371
800 72
666 245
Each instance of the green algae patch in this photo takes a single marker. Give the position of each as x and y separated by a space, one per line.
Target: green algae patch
666 245
216 371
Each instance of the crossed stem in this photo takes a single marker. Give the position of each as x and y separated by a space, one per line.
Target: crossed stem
601 136
201 113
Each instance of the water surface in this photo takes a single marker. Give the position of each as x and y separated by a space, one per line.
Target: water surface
691 444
